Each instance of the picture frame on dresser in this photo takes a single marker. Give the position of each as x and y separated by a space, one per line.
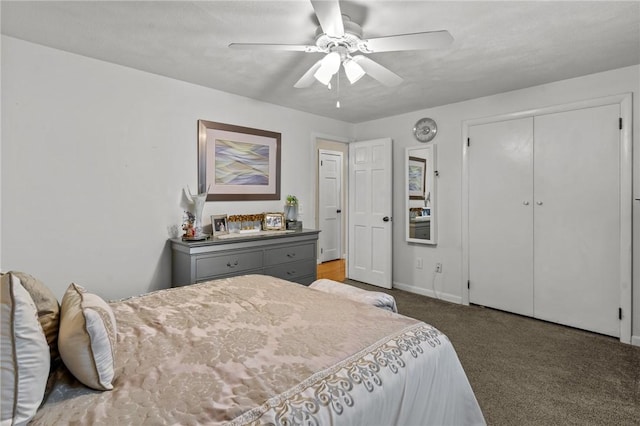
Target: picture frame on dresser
238 163
219 224
274 222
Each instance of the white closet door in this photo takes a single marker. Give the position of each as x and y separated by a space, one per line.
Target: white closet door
577 218
500 215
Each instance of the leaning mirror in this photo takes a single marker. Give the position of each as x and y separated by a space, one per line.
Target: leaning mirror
420 172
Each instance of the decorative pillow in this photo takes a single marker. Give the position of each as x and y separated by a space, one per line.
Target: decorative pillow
48 309
24 352
87 338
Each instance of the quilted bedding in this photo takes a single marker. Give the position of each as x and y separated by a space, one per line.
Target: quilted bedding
261 350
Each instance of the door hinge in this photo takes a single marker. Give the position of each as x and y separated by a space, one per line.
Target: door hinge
321 164
619 313
468 141
321 250
468 284
620 123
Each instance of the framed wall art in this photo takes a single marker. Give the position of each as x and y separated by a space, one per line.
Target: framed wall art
238 163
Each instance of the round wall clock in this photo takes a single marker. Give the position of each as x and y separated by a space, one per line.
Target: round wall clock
425 130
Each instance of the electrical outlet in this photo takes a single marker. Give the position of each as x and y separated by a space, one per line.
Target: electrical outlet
438 267
418 262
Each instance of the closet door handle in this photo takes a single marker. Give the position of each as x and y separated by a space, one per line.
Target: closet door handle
539 203
526 203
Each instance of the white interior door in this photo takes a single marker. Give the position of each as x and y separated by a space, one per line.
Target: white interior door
577 218
330 205
500 215
370 208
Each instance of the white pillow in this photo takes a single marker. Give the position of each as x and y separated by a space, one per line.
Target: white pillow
25 358
48 309
87 338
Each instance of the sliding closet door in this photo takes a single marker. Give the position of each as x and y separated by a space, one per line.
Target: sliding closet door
577 218
500 215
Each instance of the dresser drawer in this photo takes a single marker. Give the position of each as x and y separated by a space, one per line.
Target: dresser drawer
290 256
228 263
290 253
292 270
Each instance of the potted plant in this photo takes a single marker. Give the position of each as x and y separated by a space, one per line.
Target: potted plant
291 208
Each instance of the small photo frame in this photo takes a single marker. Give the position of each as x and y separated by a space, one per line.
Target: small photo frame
274 221
219 224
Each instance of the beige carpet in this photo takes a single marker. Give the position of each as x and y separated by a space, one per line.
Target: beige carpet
529 372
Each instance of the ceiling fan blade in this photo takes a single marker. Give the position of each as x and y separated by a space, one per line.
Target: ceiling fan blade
329 16
377 71
417 41
266 46
307 79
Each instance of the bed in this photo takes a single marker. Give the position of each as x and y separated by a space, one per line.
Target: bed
260 350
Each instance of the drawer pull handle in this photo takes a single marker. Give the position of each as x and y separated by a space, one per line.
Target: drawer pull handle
291 255
232 266
291 272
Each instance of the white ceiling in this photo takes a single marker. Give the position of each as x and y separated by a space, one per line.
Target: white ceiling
499 46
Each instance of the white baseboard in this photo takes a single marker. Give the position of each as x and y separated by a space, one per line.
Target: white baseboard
635 340
428 292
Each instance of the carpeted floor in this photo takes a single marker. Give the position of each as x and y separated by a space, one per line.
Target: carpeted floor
529 372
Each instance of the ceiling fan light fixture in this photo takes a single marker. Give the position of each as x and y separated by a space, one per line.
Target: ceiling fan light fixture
330 65
332 62
323 76
353 70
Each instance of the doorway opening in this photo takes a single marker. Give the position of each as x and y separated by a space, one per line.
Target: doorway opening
331 214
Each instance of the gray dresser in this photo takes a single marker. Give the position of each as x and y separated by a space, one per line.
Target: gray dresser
291 256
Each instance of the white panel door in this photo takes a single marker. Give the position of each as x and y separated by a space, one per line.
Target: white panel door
577 218
500 215
370 208
330 205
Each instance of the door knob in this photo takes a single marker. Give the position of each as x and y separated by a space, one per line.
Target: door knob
526 203
338 211
385 219
539 203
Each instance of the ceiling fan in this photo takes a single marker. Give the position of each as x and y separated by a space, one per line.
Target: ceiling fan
338 38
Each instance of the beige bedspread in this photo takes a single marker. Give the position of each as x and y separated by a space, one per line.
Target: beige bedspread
264 350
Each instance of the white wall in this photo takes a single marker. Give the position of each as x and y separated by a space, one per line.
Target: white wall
1 174
449 141
95 157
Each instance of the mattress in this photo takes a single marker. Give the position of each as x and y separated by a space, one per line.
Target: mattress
260 350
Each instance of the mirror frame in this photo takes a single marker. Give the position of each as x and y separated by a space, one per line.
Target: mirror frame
431 186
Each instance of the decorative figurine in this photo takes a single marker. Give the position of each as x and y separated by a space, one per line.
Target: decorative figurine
198 201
